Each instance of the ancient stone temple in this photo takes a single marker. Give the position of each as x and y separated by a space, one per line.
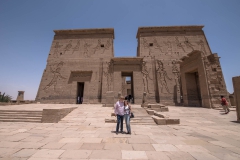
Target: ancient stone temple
174 66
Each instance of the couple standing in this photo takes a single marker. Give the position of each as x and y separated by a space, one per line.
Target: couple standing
122 110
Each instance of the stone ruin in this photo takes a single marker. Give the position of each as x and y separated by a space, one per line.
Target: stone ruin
174 65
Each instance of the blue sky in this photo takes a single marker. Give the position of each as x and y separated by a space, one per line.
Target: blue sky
26 31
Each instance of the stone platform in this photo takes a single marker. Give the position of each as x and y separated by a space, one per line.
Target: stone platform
204 134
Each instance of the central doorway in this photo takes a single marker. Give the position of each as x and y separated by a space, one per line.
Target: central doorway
80 89
193 89
127 86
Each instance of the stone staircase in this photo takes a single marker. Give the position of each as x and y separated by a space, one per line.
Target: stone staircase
141 117
20 116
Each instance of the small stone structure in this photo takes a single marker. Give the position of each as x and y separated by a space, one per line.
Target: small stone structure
20 96
236 87
81 63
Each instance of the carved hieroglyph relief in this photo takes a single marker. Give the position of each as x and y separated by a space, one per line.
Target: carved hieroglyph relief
179 45
107 46
94 82
188 43
202 47
68 47
57 47
86 52
146 76
169 47
157 45
176 74
162 76
76 48
56 76
109 75
98 47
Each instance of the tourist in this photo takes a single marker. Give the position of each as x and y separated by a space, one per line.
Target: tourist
127 114
224 103
119 112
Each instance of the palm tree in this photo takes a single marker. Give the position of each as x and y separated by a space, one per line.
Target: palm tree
5 98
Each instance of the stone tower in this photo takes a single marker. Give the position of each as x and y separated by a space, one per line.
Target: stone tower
75 66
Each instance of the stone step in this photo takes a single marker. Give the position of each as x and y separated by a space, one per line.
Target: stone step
20 116
20 120
19 111
2 117
165 121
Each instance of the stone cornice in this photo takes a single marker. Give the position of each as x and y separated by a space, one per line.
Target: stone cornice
168 29
85 31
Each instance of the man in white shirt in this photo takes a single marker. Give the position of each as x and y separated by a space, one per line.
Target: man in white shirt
119 112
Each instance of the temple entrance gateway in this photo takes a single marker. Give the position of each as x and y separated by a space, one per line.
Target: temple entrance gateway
173 64
80 89
193 89
127 86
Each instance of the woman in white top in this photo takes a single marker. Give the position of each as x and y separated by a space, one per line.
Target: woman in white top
127 114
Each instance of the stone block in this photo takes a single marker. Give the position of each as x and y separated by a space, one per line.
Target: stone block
144 105
159 121
154 106
161 115
108 105
164 109
110 120
150 112
172 121
55 115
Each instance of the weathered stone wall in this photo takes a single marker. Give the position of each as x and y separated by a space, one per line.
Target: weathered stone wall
166 46
76 56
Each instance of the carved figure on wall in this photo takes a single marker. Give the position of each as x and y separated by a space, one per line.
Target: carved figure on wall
202 47
145 74
188 43
162 76
97 47
56 76
76 48
145 44
107 46
109 74
179 45
156 45
85 48
176 72
68 46
169 47
57 46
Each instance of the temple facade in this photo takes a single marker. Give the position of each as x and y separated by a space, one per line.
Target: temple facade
174 65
